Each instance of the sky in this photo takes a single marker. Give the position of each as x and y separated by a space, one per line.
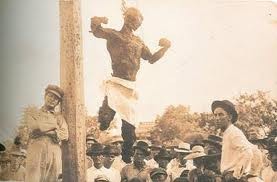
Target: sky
220 49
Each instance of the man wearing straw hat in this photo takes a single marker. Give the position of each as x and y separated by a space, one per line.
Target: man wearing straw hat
240 159
197 154
212 165
47 129
126 50
179 164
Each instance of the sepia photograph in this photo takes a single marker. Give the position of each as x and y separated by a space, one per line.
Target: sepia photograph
138 91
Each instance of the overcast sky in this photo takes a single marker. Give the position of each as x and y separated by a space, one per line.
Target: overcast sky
219 50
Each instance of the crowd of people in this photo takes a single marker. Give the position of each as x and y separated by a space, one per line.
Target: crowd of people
231 158
227 158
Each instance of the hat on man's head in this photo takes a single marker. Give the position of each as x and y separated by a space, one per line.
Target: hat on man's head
55 90
20 152
116 139
214 140
163 154
212 153
196 152
197 143
156 145
141 145
183 148
102 178
2 147
157 171
95 149
185 173
90 139
111 150
228 107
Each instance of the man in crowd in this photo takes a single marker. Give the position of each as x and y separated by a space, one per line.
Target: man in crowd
137 169
212 165
163 158
159 175
269 174
47 129
90 139
154 150
213 142
16 171
117 142
126 50
179 164
197 154
110 152
96 153
240 158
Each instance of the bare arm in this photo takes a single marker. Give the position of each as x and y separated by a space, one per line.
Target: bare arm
96 28
152 58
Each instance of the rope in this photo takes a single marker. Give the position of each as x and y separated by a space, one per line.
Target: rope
123 6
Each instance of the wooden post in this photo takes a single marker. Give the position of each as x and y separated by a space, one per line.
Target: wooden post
71 78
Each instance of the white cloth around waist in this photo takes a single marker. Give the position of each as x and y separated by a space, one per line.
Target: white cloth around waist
122 98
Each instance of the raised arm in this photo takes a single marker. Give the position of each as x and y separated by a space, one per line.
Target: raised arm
152 58
96 28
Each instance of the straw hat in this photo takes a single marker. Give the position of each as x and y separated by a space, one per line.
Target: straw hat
196 152
183 148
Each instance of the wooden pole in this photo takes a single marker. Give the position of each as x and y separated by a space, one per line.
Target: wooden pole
71 78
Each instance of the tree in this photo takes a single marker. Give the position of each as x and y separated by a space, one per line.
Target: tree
177 122
256 110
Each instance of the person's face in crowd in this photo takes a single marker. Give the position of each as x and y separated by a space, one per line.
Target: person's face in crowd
97 160
139 156
163 163
198 162
118 145
273 159
88 144
108 160
51 100
5 164
154 152
181 158
159 178
223 119
211 164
